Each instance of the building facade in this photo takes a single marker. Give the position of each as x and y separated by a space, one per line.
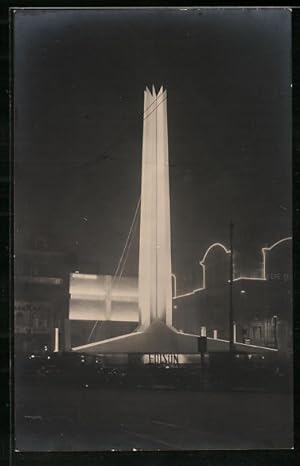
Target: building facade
262 304
41 300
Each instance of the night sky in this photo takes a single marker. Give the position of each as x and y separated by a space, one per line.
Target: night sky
79 82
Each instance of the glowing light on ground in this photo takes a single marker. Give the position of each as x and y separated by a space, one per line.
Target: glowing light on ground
85 276
56 340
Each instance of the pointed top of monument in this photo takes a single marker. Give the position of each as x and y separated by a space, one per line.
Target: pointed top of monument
153 92
161 90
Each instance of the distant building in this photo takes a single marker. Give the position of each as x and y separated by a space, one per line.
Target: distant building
41 294
262 304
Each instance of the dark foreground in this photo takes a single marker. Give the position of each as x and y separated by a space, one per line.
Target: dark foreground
73 418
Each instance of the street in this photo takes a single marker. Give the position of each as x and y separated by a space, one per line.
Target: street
89 419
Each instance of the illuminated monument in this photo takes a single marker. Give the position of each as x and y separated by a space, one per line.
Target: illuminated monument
154 333
155 286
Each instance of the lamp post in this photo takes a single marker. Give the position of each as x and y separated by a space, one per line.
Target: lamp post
231 323
275 331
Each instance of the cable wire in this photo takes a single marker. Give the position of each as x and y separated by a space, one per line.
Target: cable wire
124 255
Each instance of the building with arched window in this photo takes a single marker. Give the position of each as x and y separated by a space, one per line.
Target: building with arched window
262 304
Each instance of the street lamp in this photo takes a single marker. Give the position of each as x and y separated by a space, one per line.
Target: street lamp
231 318
275 331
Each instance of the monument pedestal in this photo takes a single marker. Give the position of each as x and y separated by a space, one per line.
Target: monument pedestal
156 338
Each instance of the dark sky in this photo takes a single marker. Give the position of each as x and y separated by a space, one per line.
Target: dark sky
79 81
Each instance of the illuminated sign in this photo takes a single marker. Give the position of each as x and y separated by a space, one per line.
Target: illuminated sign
170 359
161 358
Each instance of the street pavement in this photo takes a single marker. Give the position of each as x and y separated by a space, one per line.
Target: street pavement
50 418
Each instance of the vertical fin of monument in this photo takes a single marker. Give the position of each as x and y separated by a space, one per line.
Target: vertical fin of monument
154 207
169 304
161 212
144 251
163 216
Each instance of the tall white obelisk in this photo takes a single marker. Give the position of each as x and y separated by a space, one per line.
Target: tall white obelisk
155 334
155 282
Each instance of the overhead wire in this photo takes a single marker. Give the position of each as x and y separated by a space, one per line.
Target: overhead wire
128 238
123 258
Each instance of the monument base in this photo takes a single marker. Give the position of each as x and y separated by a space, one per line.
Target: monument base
156 338
160 338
